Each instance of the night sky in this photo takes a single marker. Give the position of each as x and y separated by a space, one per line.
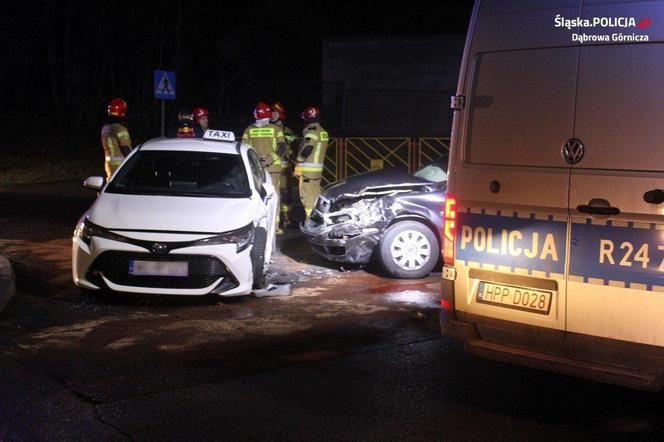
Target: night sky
63 61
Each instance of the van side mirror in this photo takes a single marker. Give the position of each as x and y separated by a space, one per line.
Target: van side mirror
94 182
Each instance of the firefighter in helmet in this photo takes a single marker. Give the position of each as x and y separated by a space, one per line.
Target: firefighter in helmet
278 118
268 140
115 138
310 158
185 127
201 122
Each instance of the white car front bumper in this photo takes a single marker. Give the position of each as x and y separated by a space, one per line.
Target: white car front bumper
217 269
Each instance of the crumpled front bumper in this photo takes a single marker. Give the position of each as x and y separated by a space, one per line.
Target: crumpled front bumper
342 242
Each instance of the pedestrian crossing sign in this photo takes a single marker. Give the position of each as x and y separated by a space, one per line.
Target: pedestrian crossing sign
164 85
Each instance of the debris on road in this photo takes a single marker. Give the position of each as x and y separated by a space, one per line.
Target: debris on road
273 290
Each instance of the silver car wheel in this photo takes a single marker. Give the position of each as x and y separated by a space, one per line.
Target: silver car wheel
410 250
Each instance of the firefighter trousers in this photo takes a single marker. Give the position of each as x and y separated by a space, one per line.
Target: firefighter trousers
284 194
309 191
276 177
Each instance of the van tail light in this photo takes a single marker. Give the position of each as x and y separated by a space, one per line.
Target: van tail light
446 305
449 229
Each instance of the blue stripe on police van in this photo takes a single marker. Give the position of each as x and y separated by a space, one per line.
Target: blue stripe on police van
607 253
536 245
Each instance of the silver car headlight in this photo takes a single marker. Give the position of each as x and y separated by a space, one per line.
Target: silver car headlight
242 237
370 211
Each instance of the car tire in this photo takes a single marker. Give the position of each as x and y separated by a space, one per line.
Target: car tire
258 258
409 250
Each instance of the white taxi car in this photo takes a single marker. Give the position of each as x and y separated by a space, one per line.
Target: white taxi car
179 217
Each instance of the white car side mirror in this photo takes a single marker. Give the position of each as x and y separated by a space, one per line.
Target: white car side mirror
269 188
94 182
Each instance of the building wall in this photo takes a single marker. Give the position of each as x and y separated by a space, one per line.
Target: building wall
390 86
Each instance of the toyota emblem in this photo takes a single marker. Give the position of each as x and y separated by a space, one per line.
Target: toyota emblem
573 150
159 248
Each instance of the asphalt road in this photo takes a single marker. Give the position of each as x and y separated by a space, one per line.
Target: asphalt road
347 355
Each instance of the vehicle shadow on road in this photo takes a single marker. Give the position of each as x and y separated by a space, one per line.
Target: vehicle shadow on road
148 300
294 245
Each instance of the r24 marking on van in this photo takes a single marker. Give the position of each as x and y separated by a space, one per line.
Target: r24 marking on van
607 248
630 254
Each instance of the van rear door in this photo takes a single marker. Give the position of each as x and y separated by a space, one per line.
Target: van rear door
511 187
616 271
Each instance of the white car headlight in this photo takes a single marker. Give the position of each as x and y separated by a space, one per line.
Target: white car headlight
87 229
242 237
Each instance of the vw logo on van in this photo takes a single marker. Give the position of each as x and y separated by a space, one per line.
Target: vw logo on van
573 150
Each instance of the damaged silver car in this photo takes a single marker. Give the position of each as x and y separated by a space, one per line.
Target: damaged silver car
388 215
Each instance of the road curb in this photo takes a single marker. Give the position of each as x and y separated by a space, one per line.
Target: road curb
7 282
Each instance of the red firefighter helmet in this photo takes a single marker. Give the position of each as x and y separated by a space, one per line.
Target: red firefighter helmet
277 106
117 107
200 112
262 110
310 114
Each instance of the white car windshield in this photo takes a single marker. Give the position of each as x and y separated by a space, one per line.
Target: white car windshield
182 173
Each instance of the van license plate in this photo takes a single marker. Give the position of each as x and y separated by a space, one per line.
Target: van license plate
158 268
518 298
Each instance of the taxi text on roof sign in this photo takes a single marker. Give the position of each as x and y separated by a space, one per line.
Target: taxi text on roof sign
219 135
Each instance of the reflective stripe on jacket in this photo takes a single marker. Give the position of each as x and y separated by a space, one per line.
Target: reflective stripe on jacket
113 136
264 140
311 166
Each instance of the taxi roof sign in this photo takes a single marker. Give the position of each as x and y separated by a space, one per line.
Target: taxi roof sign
219 135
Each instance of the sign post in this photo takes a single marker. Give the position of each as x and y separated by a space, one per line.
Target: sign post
164 89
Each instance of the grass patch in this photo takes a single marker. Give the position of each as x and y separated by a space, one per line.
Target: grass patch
20 168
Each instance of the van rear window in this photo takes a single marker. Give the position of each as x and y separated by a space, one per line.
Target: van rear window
620 107
521 109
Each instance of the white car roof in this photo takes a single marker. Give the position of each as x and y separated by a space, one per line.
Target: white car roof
194 145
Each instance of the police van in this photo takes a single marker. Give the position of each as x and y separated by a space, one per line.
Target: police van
553 239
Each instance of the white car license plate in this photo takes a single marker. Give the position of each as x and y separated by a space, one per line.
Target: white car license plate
519 298
158 268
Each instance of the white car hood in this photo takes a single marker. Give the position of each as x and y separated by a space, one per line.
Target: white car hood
169 213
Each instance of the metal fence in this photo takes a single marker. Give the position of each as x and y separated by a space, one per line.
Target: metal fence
331 164
364 154
430 149
353 155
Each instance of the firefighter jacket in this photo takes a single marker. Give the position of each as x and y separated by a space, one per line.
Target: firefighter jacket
289 136
115 137
311 154
267 141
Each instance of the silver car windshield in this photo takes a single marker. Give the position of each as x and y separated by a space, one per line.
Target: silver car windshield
435 172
